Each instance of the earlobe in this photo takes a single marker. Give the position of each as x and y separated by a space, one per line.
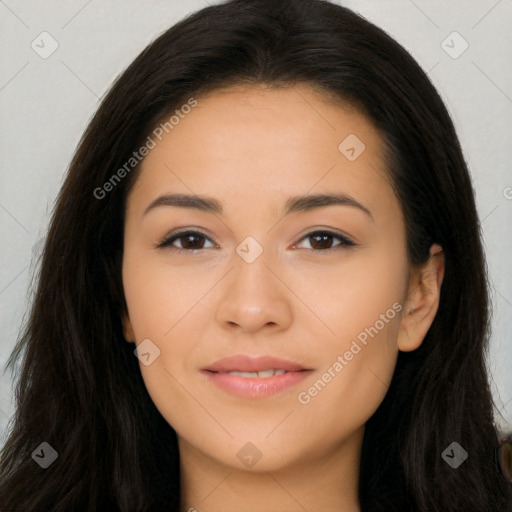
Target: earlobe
423 301
128 330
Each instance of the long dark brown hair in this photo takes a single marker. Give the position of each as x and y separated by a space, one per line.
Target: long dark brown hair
79 386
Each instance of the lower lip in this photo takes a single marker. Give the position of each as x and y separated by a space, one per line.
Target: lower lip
255 388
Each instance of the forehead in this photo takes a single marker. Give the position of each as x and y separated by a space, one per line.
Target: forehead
264 142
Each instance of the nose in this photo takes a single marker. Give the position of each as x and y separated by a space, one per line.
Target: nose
253 297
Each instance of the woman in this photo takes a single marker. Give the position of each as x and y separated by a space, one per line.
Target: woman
273 373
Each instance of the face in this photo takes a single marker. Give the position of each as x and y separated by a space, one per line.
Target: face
261 276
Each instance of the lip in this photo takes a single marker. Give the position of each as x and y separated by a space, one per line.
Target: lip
254 388
243 363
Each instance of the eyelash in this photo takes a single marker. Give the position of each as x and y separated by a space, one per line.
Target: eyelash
167 243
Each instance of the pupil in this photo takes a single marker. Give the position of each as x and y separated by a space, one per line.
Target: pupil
322 239
189 240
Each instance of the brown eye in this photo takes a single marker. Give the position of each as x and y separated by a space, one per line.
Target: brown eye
192 241
322 241
189 241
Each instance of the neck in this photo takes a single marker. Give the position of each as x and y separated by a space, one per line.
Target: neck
323 482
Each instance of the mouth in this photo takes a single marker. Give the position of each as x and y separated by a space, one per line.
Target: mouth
264 374
253 378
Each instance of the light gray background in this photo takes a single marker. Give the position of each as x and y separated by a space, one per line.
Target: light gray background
46 103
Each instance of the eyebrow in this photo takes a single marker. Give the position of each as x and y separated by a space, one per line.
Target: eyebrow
292 204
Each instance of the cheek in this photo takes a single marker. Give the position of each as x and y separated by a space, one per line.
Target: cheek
350 297
164 305
352 385
362 308
159 295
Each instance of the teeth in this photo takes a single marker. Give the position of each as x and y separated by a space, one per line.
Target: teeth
258 375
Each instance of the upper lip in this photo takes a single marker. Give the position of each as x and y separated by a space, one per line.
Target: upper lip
242 363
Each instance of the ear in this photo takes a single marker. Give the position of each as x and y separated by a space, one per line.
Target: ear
422 300
129 336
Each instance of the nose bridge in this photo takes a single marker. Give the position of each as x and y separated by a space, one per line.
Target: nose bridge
252 279
252 296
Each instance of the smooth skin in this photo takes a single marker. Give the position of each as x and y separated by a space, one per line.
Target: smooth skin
251 148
